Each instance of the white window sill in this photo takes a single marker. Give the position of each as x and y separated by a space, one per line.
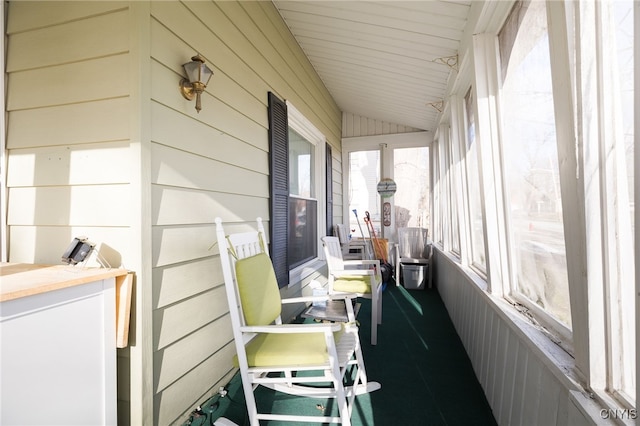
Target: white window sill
303 271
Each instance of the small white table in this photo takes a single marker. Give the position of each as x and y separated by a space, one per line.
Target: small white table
58 345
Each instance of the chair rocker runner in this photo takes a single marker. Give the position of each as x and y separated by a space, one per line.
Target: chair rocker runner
362 277
270 353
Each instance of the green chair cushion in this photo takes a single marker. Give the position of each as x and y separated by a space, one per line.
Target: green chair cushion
288 350
353 285
258 289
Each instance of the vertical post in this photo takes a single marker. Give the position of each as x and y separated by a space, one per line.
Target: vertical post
140 377
3 147
386 165
636 189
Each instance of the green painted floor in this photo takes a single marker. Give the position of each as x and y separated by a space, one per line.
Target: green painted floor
426 376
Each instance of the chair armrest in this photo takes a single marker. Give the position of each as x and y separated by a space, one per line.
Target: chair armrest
361 262
307 299
353 272
292 328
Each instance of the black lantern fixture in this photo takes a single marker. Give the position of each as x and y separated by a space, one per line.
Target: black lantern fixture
198 77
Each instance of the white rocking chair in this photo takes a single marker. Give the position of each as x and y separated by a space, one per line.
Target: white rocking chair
270 353
362 277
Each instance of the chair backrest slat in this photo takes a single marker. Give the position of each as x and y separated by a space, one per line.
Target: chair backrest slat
413 243
333 253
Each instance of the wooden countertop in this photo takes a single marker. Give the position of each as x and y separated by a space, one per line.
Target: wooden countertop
24 279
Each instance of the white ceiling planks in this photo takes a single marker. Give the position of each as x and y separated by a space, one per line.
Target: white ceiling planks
381 60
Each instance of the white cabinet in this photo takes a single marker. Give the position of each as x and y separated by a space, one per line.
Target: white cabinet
58 345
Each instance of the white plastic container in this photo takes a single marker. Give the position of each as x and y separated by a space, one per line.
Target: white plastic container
414 276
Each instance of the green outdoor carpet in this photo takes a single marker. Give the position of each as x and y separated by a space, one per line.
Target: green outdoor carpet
426 376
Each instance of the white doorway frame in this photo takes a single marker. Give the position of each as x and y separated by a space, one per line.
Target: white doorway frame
386 144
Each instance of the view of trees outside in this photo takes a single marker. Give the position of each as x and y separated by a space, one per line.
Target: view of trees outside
411 174
411 200
364 175
478 254
531 170
623 11
623 23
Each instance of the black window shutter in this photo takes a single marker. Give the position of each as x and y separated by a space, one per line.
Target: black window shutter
329 179
279 187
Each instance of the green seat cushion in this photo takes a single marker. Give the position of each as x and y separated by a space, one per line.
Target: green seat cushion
353 285
258 289
279 350
287 350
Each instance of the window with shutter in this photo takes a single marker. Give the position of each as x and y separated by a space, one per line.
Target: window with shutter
297 156
329 190
279 187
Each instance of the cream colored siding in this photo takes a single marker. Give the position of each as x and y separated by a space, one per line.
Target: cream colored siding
67 120
84 81
101 143
204 165
81 123
63 127
69 168
25 16
208 164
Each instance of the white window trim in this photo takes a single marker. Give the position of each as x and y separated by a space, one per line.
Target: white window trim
478 268
385 144
588 321
298 122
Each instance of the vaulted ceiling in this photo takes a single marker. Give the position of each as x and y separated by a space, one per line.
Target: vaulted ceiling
386 60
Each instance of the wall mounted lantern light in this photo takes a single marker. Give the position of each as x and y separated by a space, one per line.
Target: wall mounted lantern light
198 75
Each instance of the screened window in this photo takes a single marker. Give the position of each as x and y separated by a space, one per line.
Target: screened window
364 175
411 174
438 233
621 293
473 177
455 224
303 207
534 208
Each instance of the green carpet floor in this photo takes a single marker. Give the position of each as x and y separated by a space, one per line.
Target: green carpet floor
426 376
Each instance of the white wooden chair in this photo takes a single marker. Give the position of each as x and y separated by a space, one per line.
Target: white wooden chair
270 353
362 277
341 231
413 248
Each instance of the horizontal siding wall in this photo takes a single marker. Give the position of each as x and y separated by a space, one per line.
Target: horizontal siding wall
69 168
81 155
209 164
522 386
356 125
67 118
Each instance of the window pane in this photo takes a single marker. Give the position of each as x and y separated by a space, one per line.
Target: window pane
473 178
624 353
301 161
303 209
302 231
364 175
624 41
455 224
531 170
437 192
411 174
